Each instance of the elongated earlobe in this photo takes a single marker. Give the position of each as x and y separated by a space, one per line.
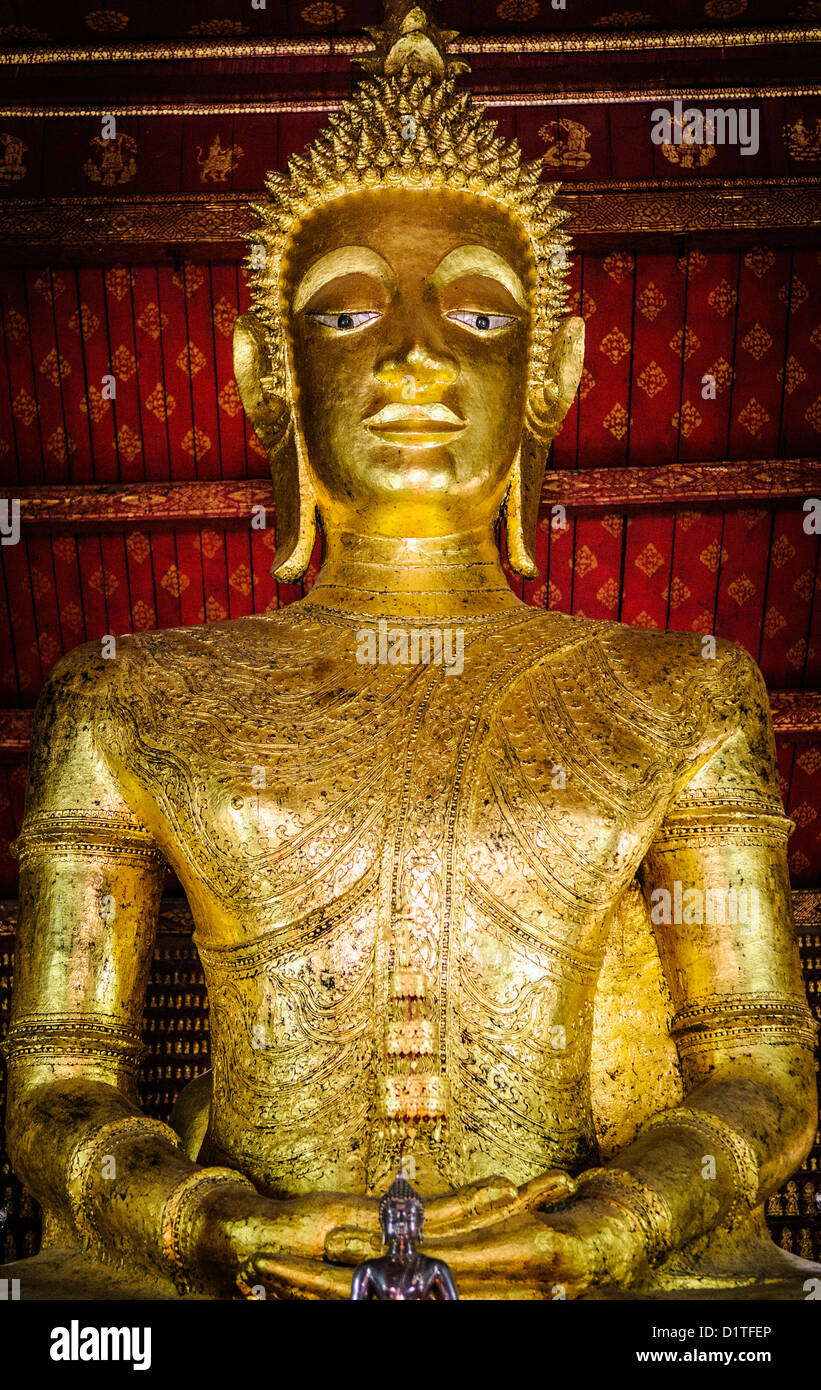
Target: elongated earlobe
521 507
272 422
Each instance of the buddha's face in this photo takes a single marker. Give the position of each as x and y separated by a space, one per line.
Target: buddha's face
409 333
401 1220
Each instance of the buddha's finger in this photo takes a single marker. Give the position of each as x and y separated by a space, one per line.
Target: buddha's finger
546 1190
294 1277
495 1200
350 1245
469 1205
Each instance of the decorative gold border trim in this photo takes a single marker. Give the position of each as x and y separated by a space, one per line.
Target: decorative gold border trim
347 46
596 209
595 96
103 506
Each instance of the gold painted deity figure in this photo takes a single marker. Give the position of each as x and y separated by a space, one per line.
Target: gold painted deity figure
527 920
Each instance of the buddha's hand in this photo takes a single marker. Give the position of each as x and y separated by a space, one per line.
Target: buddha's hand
235 1231
300 1248
525 1251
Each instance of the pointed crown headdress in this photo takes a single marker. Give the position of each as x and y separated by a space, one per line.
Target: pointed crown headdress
408 127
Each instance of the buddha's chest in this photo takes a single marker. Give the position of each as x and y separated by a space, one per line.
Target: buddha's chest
278 794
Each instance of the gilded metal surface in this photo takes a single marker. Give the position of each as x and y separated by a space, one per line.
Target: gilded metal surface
454 863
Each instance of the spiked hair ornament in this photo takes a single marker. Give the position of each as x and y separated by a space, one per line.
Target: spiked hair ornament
408 127
400 1190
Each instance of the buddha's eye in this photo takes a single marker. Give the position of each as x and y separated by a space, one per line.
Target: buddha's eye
343 322
482 323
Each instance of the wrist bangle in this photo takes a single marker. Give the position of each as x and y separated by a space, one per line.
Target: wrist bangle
741 1152
645 1208
176 1225
82 1165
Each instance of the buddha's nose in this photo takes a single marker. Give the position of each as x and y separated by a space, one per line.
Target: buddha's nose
417 373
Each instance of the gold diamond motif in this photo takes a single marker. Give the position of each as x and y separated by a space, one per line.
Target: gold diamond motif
741 590
723 373
686 420
160 402
652 380
229 400
792 374
123 363
129 444
585 561
793 295
711 555
619 265
84 321
684 343
773 622
241 579
142 617
650 302
190 360
722 298
586 384
753 417
760 260
615 345
196 442
679 593
118 281
649 561
608 594
616 421
757 342
94 404
225 316
151 321
25 407
55 367
175 581
210 543
138 547
782 551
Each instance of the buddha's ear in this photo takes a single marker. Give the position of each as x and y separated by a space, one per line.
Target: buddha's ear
565 361
267 413
271 421
550 399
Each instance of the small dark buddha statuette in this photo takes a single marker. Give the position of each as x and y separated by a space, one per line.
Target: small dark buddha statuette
403 1272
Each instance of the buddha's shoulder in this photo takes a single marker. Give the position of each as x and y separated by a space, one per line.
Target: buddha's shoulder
662 668
169 658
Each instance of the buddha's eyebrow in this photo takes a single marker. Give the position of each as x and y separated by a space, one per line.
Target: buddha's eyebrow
479 260
346 260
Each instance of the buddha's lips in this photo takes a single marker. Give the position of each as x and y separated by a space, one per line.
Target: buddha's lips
399 418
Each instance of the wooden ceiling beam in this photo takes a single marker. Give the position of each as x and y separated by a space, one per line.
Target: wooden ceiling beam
96 507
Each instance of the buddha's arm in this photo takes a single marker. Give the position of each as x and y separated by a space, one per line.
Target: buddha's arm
91 878
742 1025
90 884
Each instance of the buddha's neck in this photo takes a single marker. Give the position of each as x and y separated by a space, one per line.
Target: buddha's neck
456 575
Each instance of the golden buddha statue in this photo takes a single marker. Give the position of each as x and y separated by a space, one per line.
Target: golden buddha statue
468 878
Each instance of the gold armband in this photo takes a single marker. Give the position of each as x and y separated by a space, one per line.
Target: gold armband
646 1209
101 833
176 1225
712 1130
74 1037
733 1020
82 1165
